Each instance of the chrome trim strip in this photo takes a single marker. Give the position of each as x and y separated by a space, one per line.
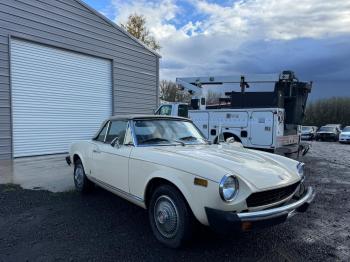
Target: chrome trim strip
169 144
122 192
108 126
132 128
309 196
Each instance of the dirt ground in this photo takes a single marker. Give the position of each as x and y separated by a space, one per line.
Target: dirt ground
42 226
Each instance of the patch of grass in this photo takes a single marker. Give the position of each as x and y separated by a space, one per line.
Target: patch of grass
10 187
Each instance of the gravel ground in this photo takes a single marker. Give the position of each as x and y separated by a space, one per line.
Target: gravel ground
44 226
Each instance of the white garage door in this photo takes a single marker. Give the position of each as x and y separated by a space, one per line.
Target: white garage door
58 97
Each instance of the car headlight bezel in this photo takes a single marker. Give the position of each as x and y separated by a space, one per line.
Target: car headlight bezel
301 170
224 189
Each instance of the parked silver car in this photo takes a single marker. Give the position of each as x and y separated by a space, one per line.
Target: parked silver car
308 132
344 136
328 133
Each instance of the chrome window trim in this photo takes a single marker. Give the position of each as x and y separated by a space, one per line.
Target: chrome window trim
128 127
169 144
108 126
132 128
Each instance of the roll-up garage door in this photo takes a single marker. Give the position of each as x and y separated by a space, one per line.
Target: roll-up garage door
58 97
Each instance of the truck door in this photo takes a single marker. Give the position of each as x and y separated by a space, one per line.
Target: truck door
261 128
201 120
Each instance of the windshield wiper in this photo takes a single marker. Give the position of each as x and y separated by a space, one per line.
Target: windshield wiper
158 139
188 138
193 138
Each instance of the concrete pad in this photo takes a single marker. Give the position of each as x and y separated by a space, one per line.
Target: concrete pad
43 172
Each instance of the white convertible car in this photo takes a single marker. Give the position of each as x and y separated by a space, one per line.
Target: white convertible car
165 165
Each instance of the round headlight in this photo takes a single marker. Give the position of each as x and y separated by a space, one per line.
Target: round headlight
300 168
228 188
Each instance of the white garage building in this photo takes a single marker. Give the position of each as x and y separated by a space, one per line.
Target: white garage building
63 69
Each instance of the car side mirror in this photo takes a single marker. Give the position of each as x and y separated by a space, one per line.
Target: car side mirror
115 142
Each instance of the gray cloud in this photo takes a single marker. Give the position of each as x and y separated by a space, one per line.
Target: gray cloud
311 37
325 61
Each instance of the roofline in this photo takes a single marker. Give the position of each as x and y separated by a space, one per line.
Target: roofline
140 117
93 10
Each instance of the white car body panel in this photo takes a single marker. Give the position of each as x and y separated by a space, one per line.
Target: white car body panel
127 170
111 165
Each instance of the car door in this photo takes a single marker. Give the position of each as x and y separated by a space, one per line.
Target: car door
111 163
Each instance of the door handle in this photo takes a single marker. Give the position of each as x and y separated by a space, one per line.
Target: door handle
96 151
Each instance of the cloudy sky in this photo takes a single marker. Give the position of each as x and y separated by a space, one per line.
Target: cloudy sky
311 37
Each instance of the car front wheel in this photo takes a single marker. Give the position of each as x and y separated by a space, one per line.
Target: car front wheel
81 182
171 219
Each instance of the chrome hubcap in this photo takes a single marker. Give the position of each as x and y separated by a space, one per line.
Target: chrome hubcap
166 216
79 176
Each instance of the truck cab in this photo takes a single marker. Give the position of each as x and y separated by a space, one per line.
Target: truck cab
173 109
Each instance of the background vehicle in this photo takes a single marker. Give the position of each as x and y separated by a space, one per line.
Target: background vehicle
263 120
327 133
339 126
344 136
308 132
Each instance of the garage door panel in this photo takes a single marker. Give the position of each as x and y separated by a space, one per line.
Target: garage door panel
58 97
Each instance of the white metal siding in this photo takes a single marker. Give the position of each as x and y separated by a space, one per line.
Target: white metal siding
58 97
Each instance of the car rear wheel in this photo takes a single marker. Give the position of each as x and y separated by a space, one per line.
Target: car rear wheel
81 182
171 219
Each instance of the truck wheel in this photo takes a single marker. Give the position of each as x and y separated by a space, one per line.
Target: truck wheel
81 182
171 219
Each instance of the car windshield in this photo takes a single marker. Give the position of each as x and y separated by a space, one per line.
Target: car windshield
346 129
327 129
166 132
307 128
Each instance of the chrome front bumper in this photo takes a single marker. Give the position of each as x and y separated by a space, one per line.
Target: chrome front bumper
287 209
223 221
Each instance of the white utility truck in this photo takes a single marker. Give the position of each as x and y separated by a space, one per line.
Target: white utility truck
268 121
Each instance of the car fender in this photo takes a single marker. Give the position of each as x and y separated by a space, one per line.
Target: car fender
83 151
184 183
194 195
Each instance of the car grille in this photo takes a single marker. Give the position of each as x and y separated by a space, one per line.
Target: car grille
271 196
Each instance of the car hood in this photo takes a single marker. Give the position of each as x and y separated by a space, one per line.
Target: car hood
345 133
259 169
325 132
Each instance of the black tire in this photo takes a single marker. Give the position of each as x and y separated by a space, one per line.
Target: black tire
171 218
81 182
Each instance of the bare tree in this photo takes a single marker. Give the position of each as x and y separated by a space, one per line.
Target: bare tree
212 97
136 26
170 92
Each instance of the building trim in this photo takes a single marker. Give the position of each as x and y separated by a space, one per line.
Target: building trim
117 27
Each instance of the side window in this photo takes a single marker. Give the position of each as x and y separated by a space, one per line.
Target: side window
183 110
116 129
165 110
102 134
